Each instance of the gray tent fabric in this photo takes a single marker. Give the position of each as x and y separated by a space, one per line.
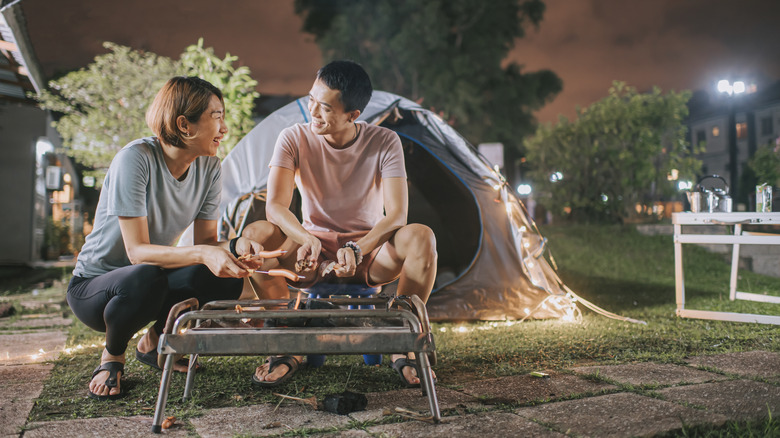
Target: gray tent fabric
491 258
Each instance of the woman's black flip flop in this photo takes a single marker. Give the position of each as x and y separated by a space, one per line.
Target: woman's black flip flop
112 381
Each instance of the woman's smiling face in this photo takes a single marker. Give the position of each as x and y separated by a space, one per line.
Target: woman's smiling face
207 133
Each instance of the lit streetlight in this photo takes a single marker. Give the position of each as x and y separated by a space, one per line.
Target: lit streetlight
724 86
732 90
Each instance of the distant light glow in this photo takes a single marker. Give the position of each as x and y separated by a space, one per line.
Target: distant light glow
684 185
556 176
43 146
738 87
524 189
604 197
724 86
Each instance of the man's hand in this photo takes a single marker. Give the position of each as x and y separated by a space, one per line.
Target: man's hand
308 254
346 265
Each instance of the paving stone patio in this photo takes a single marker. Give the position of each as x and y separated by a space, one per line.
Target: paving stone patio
264 420
618 415
524 389
19 387
36 347
763 364
738 399
641 374
123 427
37 322
488 424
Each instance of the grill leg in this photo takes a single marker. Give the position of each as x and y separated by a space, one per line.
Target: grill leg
162 396
427 383
190 377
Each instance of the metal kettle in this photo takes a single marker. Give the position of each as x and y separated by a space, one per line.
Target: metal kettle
710 199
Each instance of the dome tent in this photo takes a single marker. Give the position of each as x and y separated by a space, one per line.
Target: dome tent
490 265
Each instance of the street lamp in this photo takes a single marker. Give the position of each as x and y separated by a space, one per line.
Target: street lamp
731 90
724 86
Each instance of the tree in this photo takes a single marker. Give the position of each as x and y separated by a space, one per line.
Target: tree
619 153
103 106
765 164
448 54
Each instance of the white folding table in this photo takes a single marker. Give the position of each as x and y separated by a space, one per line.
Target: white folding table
738 238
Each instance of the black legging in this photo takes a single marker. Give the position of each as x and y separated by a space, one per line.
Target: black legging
123 301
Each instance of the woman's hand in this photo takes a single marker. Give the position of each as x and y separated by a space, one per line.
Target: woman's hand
251 254
222 263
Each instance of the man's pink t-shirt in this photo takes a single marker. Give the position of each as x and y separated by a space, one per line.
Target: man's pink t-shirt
341 188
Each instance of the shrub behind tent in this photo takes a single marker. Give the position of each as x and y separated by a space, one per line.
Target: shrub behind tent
490 263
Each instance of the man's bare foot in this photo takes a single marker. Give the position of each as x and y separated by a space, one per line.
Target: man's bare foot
409 372
98 384
148 342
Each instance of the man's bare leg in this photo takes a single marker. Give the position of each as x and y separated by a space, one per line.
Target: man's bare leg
412 251
272 288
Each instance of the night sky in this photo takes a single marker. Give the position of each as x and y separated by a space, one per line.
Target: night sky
674 44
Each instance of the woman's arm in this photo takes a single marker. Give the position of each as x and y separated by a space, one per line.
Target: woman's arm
135 233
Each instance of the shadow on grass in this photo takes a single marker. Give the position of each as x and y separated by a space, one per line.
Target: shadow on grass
617 294
620 295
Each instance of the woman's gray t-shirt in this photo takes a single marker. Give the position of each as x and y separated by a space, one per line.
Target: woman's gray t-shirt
137 184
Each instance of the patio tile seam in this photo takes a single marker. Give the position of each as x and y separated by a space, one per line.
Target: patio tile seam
772 380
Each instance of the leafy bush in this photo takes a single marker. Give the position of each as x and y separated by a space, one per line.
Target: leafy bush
103 105
616 155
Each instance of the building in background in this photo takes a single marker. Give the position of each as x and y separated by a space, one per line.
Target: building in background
731 127
39 188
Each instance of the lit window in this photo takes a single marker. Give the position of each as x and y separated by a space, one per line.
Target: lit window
715 131
742 130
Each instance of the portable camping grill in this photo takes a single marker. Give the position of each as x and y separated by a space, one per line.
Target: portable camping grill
413 334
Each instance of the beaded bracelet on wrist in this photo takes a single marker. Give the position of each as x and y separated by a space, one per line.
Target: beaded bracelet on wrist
232 246
355 249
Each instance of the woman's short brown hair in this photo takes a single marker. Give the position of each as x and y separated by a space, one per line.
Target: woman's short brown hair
180 96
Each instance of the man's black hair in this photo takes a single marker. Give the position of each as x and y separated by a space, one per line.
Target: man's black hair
351 80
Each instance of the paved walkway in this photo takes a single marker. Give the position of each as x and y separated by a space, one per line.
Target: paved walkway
638 399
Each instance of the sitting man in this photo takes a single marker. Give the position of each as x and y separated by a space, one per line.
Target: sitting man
352 181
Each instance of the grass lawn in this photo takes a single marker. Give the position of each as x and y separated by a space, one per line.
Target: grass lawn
612 266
